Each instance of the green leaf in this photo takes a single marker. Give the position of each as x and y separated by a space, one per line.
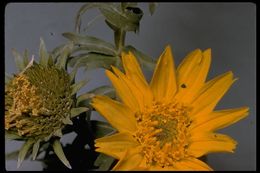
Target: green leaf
145 60
104 162
152 6
93 60
43 54
76 111
84 99
64 55
12 136
25 57
77 86
67 120
23 151
57 51
127 20
8 78
73 75
12 155
35 150
82 10
90 43
101 128
59 152
18 60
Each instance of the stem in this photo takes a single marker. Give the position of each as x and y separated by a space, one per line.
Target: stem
119 36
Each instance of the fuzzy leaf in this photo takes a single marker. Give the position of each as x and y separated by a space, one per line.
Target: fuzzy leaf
18 60
77 86
64 55
73 74
145 60
25 57
90 43
8 78
101 129
59 152
127 20
76 111
12 155
67 120
104 162
58 133
12 136
93 60
84 99
82 10
35 150
23 151
43 54
152 6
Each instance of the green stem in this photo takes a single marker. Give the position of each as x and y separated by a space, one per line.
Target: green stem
119 36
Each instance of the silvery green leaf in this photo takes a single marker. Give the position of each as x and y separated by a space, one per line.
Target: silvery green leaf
12 155
67 120
128 4
152 6
145 60
82 10
18 60
104 162
101 129
58 133
8 77
77 86
56 52
93 60
23 151
65 52
35 150
25 57
73 74
84 99
12 136
76 111
59 152
91 43
43 54
127 20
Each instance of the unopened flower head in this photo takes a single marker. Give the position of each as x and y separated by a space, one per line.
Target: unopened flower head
40 101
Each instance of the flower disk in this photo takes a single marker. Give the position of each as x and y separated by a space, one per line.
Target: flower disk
171 122
37 101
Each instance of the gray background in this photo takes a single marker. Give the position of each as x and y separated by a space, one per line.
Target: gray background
228 28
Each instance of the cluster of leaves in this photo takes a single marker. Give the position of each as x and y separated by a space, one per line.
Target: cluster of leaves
89 52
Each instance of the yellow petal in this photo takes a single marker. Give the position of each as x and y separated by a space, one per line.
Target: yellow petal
115 145
163 82
117 114
134 73
211 93
192 164
141 96
192 73
204 143
130 161
218 119
123 91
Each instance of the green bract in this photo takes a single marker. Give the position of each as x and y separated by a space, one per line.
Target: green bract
39 102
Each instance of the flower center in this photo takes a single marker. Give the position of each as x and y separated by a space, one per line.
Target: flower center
163 133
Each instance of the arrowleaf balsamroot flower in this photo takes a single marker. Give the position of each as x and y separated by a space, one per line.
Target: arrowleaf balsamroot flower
39 103
171 122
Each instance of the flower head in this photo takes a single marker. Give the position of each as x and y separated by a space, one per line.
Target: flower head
171 122
39 103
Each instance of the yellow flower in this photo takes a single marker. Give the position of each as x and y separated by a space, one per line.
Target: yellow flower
171 122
